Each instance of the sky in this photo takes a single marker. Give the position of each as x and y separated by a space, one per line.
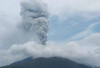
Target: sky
70 16
74 28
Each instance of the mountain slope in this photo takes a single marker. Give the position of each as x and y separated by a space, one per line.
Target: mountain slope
53 62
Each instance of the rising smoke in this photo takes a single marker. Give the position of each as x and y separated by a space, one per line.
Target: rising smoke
35 19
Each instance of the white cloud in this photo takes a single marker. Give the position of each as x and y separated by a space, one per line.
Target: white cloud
9 19
88 31
91 40
85 51
60 6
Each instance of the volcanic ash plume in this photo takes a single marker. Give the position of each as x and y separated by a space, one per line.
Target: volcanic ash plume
35 19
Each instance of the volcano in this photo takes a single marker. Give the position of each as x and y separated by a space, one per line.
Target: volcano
53 62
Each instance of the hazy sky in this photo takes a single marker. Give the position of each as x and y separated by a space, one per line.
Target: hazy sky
76 23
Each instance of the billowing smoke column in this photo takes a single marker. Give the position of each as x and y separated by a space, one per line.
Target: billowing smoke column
35 19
